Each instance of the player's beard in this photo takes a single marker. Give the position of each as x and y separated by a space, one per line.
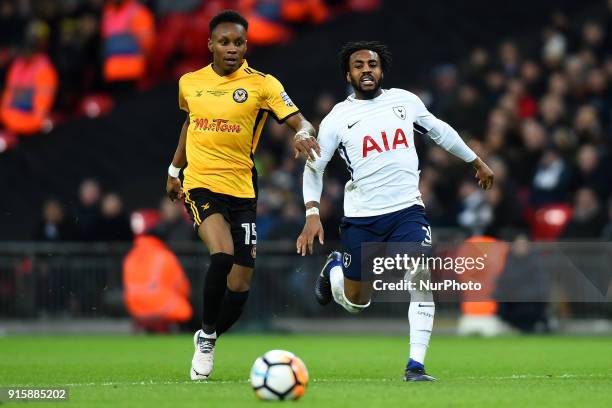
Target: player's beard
367 94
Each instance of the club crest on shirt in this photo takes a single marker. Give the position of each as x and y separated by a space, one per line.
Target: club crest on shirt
254 252
240 95
346 260
400 112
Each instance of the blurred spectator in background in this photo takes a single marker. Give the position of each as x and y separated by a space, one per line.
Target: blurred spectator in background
265 21
503 198
476 213
114 224
509 58
551 181
467 113
588 218
290 224
268 18
11 32
445 83
173 225
606 233
591 171
176 6
475 70
156 289
54 226
128 35
77 56
587 125
31 84
533 138
87 212
524 288
305 11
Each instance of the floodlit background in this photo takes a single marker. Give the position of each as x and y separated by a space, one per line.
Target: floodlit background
84 149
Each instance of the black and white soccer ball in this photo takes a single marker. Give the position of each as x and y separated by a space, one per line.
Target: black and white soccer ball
279 375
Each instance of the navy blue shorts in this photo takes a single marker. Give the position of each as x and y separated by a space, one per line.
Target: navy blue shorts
409 225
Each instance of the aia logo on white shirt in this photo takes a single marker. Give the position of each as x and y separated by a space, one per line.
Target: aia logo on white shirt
371 145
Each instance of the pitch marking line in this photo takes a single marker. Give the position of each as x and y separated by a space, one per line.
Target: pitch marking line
330 380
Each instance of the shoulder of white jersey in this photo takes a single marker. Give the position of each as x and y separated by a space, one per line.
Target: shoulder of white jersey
336 113
404 93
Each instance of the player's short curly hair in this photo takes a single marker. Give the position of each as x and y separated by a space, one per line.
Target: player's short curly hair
227 16
351 47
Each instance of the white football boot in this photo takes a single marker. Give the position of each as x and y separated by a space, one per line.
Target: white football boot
203 357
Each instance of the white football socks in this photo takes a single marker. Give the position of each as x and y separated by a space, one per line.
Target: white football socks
421 318
336 277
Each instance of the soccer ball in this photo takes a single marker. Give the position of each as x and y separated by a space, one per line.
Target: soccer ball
279 375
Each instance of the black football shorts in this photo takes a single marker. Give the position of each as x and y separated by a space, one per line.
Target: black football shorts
239 212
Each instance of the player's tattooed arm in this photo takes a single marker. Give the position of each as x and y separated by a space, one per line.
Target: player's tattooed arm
174 189
312 229
305 140
484 174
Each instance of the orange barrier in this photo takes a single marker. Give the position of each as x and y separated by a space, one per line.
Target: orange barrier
30 91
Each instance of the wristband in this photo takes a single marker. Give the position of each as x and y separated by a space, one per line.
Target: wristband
173 171
302 134
312 211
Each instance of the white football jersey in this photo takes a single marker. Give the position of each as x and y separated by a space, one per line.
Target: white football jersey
375 137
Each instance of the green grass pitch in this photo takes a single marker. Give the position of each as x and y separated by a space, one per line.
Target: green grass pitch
345 371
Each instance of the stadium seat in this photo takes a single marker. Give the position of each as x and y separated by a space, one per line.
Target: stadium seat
8 140
170 31
95 105
548 222
143 220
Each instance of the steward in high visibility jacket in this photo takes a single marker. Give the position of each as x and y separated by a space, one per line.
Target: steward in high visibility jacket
31 84
128 35
155 286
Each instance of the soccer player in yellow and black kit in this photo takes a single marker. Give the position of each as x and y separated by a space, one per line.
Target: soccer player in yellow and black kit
227 103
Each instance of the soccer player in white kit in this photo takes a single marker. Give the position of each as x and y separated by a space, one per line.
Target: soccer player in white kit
373 131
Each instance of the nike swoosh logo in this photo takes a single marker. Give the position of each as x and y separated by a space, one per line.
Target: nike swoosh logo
420 305
350 126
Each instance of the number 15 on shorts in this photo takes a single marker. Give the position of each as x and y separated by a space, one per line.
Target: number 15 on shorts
250 235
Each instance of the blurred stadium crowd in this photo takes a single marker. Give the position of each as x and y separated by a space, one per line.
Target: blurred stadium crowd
542 122
102 47
542 119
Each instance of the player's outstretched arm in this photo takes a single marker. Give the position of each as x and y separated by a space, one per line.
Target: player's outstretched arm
174 189
305 140
448 138
312 229
312 186
484 174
